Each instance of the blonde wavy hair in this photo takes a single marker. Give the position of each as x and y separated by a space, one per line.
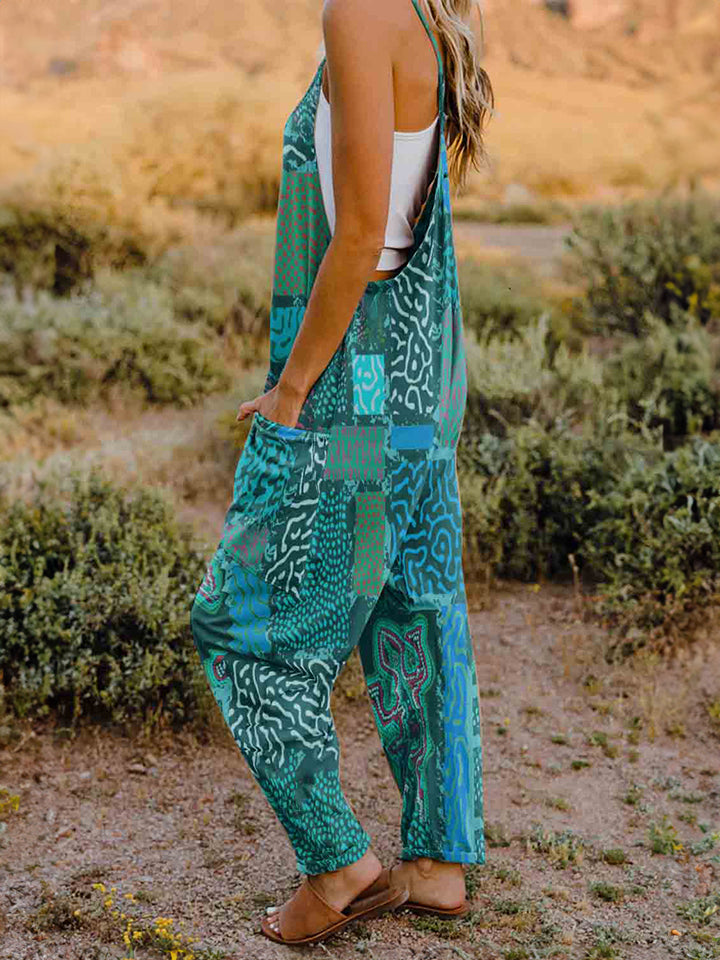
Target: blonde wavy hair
469 97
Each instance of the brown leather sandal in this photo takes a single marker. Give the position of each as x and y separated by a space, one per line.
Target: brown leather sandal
448 913
308 918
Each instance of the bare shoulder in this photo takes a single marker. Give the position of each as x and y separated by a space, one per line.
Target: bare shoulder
365 15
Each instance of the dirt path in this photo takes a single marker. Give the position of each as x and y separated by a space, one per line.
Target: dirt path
541 245
567 774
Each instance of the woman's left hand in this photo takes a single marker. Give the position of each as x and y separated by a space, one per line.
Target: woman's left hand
273 405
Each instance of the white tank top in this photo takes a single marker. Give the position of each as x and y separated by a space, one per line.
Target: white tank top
413 165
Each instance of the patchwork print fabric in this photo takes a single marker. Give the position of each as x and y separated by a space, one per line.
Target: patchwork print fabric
369 383
356 453
369 543
346 531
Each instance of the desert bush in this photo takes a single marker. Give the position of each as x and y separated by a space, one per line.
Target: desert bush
530 498
57 248
190 156
511 381
95 589
120 329
642 523
530 211
670 378
225 285
53 249
498 301
655 544
648 258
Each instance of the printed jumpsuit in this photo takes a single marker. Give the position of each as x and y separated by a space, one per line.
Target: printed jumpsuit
346 531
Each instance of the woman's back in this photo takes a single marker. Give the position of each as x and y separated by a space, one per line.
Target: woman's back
413 91
415 156
415 72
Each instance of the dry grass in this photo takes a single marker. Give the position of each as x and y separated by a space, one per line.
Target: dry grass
592 138
180 158
190 454
164 158
168 125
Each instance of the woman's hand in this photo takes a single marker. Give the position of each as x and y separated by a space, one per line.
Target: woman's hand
277 404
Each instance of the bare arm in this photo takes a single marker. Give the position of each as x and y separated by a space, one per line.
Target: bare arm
358 43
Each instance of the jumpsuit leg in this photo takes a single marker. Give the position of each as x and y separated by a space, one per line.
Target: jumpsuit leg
333 541
271 659
418 660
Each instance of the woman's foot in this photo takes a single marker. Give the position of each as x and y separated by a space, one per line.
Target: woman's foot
432 883
340 887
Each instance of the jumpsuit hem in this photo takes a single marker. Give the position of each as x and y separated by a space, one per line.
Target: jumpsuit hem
448 856
352 855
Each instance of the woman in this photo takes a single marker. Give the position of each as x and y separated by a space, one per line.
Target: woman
345 524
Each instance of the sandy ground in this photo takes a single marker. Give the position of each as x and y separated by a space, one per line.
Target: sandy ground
581 753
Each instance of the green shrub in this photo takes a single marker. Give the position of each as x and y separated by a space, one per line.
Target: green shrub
497 302
561 848
52 249
529 377
95 594
226 285
643 524
607 891
530 499
656 542
701 910
121 329
669 378
658 258
615 856
663 838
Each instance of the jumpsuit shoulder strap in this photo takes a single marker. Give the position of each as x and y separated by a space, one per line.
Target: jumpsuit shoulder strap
441 71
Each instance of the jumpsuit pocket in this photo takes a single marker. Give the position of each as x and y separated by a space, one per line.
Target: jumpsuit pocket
270 523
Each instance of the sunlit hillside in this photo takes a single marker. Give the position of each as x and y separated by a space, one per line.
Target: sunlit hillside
155 113
635 41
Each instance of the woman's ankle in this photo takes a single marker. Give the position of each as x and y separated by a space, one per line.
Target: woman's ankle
427 867
436 883
368 863
358 874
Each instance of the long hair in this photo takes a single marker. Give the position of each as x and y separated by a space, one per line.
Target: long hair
469 97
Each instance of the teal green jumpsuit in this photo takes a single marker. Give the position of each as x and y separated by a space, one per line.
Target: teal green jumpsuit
346 530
